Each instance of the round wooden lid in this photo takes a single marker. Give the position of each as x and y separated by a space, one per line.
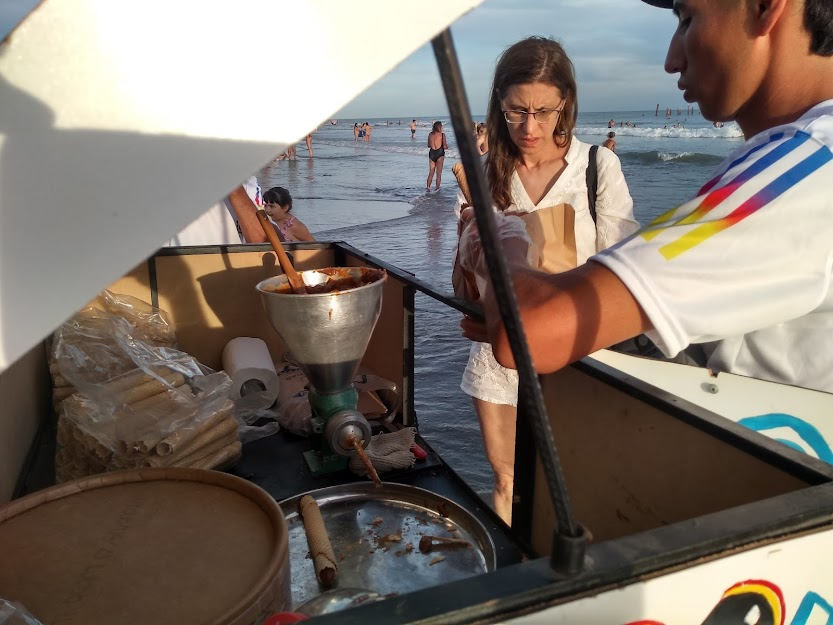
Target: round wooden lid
147 546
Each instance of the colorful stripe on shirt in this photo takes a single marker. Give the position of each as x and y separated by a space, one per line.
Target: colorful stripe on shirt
712 199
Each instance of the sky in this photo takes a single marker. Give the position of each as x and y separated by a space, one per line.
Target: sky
617 46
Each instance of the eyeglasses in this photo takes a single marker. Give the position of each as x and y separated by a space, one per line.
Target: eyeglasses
542 117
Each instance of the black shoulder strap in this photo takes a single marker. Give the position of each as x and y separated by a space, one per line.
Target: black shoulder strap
592 177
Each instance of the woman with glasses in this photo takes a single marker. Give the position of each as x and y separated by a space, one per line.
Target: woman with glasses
536 168
277 202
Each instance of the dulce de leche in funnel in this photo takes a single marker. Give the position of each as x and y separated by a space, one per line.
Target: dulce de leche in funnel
328 328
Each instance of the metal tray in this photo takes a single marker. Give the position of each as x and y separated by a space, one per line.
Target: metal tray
359 516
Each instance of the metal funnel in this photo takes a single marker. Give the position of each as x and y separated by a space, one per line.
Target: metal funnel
326 332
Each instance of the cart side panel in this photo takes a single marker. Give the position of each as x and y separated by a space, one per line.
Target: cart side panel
211 298
630 466
25 389
136 283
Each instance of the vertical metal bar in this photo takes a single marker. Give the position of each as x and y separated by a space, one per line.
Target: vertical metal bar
408 355
569 540
523 493
153 282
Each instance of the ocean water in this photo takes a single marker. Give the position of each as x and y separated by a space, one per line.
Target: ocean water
372 195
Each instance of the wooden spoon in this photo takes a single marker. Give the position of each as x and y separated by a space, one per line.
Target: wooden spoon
293 276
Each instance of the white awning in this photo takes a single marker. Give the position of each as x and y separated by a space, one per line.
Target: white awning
120 122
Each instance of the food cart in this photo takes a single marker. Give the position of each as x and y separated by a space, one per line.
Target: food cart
633 504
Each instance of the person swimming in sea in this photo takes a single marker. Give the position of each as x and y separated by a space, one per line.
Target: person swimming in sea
437 145
610 142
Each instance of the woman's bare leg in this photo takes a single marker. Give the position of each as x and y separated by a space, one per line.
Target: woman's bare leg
440 170
431 167
497 424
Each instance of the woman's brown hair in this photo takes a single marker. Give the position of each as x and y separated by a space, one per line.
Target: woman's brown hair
535 59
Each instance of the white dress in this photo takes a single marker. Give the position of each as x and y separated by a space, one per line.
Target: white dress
483 377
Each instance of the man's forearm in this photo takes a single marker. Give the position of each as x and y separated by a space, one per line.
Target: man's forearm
567 316
246 211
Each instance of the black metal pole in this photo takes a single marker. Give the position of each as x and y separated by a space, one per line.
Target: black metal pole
569 540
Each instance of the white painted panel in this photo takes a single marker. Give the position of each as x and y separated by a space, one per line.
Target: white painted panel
121 121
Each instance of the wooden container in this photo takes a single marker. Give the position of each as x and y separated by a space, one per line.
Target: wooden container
162 546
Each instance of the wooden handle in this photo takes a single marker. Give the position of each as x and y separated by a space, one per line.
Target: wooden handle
460 174
294 277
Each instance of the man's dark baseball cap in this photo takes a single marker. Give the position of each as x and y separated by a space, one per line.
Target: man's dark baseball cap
663 4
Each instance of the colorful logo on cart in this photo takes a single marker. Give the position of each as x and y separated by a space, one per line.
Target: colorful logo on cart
752 601
760 602
793 432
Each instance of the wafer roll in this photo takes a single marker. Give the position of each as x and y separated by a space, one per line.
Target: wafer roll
224 433
181 437
460 175
137 377
59 380
160 397
151 386
222 430
60 393
323 556
218 458
198 455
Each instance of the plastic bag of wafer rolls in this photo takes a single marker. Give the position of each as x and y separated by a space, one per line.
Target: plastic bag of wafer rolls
137 403
150 324
89 336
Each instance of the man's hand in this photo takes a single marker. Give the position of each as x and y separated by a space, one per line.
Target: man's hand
565 316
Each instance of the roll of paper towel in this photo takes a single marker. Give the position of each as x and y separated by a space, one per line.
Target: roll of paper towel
254 383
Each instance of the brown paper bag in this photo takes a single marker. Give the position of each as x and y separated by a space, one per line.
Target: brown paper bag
553 235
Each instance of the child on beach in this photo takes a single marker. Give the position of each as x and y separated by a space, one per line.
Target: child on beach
437 145
278 203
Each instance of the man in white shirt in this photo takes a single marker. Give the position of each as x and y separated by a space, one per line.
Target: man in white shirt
745 266
232 220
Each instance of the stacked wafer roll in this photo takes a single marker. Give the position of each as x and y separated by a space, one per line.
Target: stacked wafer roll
89 333
128 417
158 423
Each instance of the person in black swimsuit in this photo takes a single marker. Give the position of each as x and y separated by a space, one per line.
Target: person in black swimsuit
437 146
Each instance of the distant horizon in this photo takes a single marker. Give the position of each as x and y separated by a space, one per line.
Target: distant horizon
446 115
